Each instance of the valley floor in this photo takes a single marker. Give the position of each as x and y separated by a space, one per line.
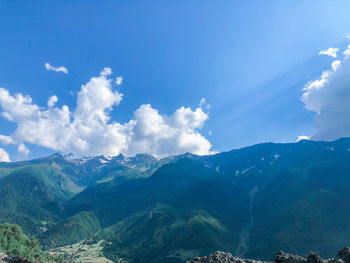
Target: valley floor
88 253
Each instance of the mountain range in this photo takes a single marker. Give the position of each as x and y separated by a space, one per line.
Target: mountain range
250 202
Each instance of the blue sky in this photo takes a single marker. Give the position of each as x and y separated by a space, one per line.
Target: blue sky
249 59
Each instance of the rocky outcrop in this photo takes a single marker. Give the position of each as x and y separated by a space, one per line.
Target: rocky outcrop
281 257
2 257
12 259
222 257
343 256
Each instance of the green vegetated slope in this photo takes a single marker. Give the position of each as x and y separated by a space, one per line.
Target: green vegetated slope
33 193
306 207
14 241
183 210
33 197
251 202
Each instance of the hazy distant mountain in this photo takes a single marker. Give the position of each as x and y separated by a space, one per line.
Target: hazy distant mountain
251 202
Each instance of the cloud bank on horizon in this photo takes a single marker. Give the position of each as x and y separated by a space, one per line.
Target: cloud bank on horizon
329 96
88 130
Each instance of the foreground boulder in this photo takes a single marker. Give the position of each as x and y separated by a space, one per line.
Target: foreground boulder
13 259
2 257
343 256
281 257
222 257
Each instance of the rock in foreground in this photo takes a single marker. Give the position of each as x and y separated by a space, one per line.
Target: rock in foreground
343 256
13 259
221 257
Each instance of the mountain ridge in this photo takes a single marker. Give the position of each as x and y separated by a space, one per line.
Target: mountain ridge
250 202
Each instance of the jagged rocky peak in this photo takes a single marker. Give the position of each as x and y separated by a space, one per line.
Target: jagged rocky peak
343 256
119 157
144 159
144 156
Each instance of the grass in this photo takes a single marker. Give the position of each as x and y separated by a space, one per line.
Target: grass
88 253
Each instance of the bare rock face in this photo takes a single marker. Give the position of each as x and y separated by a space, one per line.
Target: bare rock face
281 257
222 257
12 259
343 256
2 257
314 258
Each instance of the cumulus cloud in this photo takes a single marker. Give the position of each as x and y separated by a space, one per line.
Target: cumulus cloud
329 98
303 137
22 149
4 157
88 129
56 69
52 101
5 139
347 51
332 52
168 135
119 80
204 104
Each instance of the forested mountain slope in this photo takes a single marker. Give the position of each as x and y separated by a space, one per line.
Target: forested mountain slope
250 202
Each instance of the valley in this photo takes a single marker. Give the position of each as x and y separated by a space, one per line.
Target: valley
87 253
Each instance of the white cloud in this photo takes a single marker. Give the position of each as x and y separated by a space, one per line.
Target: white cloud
5 139
303 137
88 129
52 101
56 69
204 104
17 107
119 80
106 72
313 89
329 98
347 51
4 157
168 135
332 52
22 149
335 65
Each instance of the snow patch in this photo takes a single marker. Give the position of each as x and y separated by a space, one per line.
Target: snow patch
249 168
107 157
